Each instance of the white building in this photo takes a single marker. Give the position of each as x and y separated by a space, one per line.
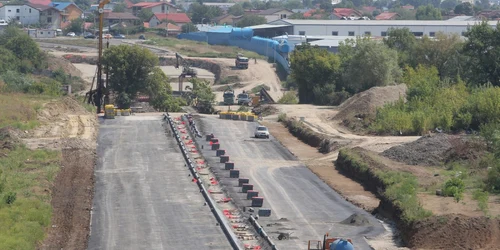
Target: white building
222 6
22 13
371 27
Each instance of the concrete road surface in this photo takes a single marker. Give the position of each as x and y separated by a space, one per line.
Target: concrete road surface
300 202
144 198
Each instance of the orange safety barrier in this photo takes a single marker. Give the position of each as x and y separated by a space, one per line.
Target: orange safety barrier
195 180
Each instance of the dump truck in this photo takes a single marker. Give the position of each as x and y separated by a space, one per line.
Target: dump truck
229 97
330 244
241 62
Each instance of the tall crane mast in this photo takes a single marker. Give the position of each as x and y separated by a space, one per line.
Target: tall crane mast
100 84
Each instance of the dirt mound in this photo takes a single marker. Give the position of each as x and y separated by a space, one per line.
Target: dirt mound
56 63
460 232
356 220
61 107
436 149
365 104
8 138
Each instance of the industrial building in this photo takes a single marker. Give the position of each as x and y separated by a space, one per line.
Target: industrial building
365 27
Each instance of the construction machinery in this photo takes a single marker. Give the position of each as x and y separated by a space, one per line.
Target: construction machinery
187 71
244 98
330 244
241 62
229 96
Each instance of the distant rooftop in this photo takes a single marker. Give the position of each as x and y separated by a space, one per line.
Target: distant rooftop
378 22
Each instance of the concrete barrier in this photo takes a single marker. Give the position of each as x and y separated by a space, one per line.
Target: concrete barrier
242 181
224 158
229 165
220 152
225 226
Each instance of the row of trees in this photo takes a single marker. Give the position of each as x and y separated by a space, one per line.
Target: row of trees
321 76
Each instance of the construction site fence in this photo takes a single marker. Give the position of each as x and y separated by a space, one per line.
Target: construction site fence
241 116
259 45
226 228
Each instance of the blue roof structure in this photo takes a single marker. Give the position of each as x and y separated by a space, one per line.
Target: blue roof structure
60 5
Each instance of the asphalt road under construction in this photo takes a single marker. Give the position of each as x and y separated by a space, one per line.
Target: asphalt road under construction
301 204
144 198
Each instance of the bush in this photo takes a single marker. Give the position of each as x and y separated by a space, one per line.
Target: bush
9 198
123 100
16 82
454 187
282 117
289 97
46 87
482 200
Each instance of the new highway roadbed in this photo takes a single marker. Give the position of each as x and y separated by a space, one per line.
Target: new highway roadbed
302 206
144 198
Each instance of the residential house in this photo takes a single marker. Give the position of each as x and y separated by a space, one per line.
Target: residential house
40 2
109 6
170 29
275 14
387 16
68 10
178 18
408 7
224 19
155 7
50 17
125 19
223 6
314 14
22 13
489 15
345 13
368 9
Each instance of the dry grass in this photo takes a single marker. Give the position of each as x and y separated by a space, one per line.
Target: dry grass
19 110
201 49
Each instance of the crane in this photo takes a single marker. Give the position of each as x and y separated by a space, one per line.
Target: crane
97 94
187 71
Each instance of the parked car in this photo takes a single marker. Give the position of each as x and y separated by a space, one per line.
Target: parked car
89 36
108 36
262 132
142 37
71 34
120 36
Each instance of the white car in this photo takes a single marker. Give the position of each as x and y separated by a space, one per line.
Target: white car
71 34
261 132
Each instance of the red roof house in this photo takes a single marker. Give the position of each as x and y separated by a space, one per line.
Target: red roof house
178 18
387 16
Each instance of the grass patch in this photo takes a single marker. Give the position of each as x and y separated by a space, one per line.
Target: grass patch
75 42
19 110
25 210
400 188
201 49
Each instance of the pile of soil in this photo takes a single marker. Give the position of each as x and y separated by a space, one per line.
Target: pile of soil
356 220
55 63
58 108
8 138
436 149
365 104
265 110
455 232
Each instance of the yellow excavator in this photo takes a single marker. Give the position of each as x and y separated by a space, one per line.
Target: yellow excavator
330 244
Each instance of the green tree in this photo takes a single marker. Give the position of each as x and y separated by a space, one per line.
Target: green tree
464 9
8 61
202 96
9 33
188 27
76 26
297 16
483 50
428 12
293 4
404 42
199 12
404 14
251 20
129 68
368 64
145 14
449 4
27 51
442 52
236 10
316 72
160 92
120 8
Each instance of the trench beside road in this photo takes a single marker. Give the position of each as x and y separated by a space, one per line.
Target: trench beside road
300 202
144 198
